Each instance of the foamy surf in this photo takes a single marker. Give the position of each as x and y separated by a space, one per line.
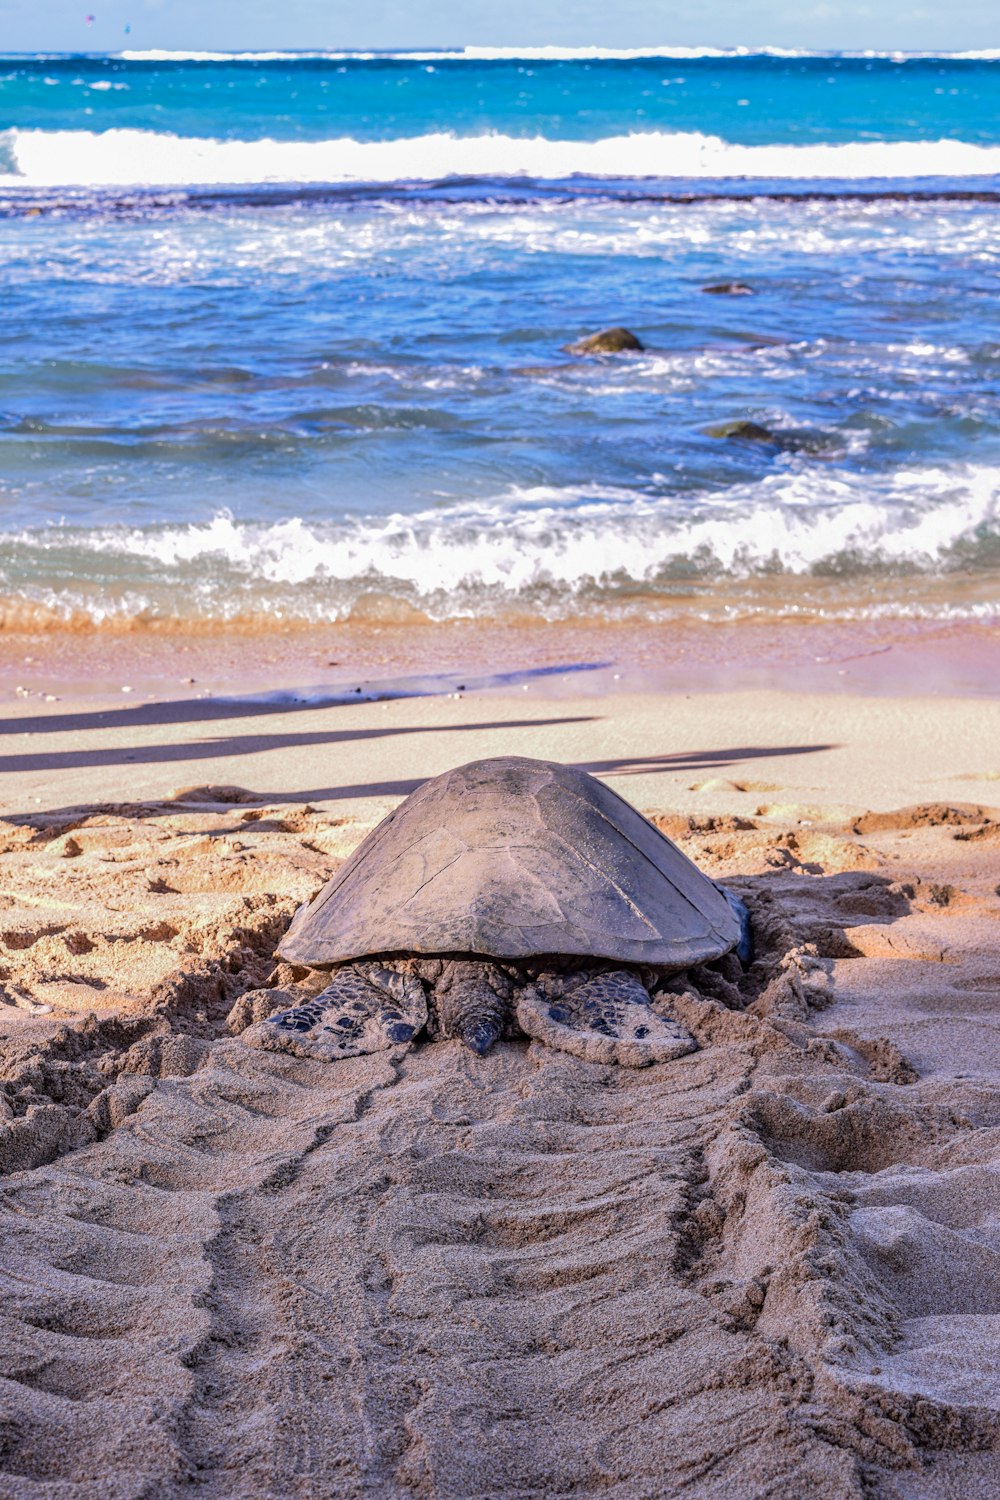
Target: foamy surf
546 54
262 366
141 158
542 550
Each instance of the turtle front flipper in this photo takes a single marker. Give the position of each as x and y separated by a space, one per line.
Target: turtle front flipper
606 1019
363 1009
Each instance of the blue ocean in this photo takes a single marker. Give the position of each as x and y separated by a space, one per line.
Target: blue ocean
290 337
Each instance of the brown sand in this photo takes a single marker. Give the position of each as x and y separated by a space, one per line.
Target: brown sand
771 1268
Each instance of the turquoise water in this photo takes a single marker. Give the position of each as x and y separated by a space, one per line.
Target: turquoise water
760 100
287 336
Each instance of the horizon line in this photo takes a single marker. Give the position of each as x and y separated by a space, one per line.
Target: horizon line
477 52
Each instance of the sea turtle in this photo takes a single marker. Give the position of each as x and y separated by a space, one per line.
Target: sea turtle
508 888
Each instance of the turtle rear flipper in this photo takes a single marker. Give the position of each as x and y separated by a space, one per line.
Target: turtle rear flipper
606 1019
363 1009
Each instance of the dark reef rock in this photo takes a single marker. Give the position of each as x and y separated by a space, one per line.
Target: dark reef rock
787 440
747 432
608 341
728 289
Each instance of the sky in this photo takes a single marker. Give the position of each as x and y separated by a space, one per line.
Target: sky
61 25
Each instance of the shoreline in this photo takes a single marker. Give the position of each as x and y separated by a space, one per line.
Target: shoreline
878 657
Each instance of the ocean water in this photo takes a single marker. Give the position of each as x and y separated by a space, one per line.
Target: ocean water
285 337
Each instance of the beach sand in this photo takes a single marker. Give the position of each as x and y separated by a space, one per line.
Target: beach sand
770 1268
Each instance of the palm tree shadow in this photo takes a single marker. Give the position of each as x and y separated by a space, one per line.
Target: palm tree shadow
209 795
641 765
251 744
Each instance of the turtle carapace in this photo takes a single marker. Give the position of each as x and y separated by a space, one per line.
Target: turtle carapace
507 895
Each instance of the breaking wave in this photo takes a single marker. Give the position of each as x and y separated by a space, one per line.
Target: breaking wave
542 550
139 158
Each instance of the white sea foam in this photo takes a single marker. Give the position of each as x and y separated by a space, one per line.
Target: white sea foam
136 158
543 543
472 54
743 236
548 54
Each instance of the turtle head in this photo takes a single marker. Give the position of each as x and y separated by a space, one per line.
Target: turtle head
473 1001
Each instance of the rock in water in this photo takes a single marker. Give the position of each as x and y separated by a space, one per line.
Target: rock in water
788 440
748 432
728 289
608 341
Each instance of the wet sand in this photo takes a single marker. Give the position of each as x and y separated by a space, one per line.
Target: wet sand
891 656
769 1268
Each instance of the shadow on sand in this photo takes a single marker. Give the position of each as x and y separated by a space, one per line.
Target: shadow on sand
220 796
281 701
640 765
251 744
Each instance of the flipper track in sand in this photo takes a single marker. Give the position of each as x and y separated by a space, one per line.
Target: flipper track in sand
517 1276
